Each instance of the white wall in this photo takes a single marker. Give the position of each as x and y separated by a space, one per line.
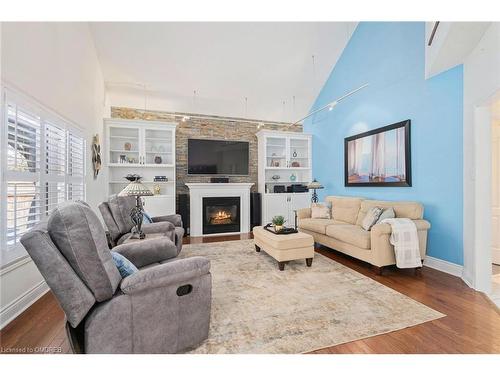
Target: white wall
57 65
481 82
452 42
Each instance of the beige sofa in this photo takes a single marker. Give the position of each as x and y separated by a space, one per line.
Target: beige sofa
344 232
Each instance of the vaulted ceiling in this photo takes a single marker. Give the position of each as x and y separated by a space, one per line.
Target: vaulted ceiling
255 70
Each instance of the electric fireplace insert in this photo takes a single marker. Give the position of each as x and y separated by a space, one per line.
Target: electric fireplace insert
221 215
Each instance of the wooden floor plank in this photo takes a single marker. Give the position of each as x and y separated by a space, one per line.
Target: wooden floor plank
471 325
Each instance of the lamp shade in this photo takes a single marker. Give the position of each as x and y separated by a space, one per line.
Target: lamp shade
314 185
135 188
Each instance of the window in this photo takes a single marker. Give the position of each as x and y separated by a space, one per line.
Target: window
44 165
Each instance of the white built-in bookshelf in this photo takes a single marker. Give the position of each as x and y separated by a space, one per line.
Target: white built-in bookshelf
285 158
146 148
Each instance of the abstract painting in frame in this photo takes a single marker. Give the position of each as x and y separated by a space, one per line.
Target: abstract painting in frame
380 157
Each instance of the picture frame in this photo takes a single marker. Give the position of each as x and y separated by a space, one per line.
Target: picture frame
379 157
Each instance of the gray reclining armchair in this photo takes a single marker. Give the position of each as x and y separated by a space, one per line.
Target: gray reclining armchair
116 215
162 308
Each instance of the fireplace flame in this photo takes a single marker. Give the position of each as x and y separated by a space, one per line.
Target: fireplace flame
221 217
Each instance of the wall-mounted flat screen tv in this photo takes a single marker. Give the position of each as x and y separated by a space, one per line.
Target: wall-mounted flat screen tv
206 156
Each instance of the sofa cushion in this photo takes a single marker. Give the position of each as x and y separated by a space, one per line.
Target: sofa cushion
351 234
79 235
345 208
321 211
410 210
388 213
371 217
317 225
125 266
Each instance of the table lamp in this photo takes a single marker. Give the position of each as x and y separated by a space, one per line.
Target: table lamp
136 189
314 185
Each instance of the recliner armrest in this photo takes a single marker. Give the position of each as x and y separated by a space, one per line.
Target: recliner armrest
147 251
173 273
174 219
158 227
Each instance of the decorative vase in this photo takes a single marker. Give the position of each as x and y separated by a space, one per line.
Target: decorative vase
294 153
127 146
156 189
157 159
293 177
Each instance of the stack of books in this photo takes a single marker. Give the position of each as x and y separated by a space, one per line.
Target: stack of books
160 179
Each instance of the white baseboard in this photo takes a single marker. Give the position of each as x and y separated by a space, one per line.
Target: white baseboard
443 266
21 303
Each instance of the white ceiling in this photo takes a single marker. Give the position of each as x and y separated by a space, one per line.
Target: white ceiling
268 63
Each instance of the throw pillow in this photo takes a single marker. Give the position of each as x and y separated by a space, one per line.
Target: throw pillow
146 218
321 211
371 218
387 214
125 266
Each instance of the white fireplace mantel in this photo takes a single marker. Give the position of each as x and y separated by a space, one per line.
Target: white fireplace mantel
198 191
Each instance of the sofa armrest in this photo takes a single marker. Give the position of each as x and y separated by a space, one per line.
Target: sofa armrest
384 228
304 213
172 273
147 251
379 229
422 224
174 219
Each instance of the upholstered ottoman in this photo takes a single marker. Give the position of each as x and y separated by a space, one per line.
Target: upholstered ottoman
284 247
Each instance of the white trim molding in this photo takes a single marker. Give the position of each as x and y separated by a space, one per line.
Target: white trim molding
198 191
15 308
444 266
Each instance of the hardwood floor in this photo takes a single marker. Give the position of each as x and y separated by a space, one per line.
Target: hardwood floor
471 325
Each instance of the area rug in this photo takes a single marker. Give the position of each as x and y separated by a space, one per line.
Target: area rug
258 309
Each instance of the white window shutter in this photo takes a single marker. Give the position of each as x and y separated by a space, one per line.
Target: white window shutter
76 167
23 140
24 209
44 166
55 150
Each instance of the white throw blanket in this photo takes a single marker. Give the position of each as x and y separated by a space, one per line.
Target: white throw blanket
404 238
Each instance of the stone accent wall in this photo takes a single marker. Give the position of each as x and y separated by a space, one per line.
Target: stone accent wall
210 127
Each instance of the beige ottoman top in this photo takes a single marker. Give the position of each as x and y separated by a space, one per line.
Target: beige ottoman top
283 241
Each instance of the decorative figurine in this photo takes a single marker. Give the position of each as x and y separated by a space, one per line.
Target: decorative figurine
96 155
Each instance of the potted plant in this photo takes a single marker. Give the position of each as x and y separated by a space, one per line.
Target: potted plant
278 222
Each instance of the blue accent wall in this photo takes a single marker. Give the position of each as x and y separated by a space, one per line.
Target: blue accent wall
391 58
